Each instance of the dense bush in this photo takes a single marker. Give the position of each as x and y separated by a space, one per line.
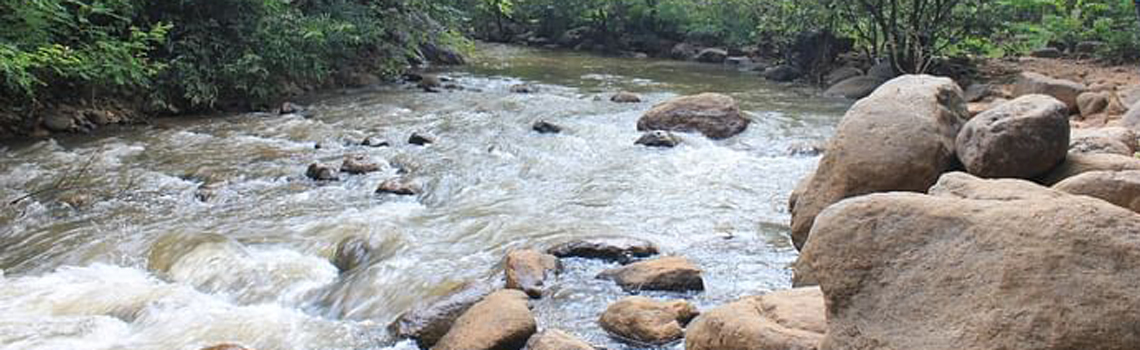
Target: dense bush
195 54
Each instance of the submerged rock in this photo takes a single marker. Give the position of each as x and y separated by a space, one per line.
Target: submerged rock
1023 138
352 252
501 321
553 339
901 138
419 139
430 83
528 270
321 172
612 249
648 321
625 97
658 138
359 164
226 347
427 323
716 116
672 273
290 108
373 141
782 73
790 319
400 186
712 55
1121 188
524 89
1035 269
545 127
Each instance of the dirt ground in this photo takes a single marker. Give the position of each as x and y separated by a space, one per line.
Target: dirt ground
1086 71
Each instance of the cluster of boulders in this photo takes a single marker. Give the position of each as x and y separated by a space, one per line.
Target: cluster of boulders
483 316
926 227
360 164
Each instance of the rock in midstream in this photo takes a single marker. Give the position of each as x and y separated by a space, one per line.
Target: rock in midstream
646 320
717 116
528 270
501 321
671 273
621 250
553 339
788 319
427 323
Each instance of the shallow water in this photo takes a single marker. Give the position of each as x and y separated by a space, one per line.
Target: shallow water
137 262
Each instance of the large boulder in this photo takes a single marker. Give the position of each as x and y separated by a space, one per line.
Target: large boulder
528 270
1078 163
671 273
1023 138
646 320
855 87
1115 140
1066 91
427 323
712 55
553 339
786 320
1121 188
782 73
714 115
901 138
1132 117
501 321
1034 269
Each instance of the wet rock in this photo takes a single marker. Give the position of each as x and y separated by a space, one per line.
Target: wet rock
553 339
373 141
430 83
501 321
545 127
1041 270
855 88
658 138
359 164
716 116
790 319
1091 103
625 97
712 55
208 190
782 73
1048 52
612 249
738 61
683 51
1121 188
1023 138
1115 140
400 186
1066 91
59 122
352 252
419 139
441 55
523 89
1076 164
427 323
646 320
76 200
290 108
841 74
672 273
528 270
227 347
901 138
806 149
321 172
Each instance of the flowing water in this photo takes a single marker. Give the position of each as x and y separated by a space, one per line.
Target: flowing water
113 249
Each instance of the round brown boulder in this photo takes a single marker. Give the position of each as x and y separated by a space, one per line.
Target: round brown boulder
1121 188
427 323
359 164
792 319
646 320
716 116
672 273
1033 270
1023 138
501 321
527 270
901 138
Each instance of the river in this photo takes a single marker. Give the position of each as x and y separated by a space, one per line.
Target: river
126 256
